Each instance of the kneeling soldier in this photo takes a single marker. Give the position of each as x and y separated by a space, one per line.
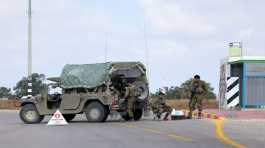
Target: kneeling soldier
159 107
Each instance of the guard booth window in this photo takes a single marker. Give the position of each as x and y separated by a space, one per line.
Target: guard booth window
237 71
256 90
255 83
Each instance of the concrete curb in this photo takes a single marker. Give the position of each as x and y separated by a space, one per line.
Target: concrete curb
204 115
8 111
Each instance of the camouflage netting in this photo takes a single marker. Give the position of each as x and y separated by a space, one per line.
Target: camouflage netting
86 76
91 75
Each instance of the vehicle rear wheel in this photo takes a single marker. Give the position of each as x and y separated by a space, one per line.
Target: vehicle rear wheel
96 112
143 87
106 115
137 114
69 117
29 114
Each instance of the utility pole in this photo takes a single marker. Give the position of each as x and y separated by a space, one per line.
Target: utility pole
29 39
146 48
29 49
106 47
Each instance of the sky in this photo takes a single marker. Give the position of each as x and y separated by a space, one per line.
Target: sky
183 38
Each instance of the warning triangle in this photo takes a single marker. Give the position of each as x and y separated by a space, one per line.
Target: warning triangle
57 119
173 112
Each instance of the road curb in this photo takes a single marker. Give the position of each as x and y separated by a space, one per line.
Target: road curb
204 115
8 111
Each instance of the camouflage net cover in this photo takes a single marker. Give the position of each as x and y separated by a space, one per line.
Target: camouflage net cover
84 76
90 75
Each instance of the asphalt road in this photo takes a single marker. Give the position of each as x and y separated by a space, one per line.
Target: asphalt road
118 134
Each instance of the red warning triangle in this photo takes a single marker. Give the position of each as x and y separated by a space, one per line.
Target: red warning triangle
57 119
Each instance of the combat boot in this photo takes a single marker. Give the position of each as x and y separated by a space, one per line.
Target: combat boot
199 115
166 117
189 115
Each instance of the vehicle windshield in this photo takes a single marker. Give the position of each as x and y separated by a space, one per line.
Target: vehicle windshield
54 89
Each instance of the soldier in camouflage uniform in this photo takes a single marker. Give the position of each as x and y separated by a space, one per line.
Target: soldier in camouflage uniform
159 107
131 94
198 89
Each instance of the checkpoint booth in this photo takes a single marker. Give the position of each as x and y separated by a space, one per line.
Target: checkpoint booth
242 82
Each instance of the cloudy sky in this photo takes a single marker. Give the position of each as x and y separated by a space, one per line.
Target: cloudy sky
183 37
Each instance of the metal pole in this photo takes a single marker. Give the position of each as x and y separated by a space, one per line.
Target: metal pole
29 40
106 47
146 49
29 49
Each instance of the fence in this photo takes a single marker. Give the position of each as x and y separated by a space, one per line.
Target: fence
178 104
9 104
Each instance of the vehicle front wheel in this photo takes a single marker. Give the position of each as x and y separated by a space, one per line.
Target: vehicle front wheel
29 114
96 112
69 117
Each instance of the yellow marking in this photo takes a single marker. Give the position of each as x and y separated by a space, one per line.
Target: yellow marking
174 136
131 126
222 136
181 138
153 131
127 125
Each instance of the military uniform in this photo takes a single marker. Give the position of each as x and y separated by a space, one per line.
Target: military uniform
198 89
159 107
131 94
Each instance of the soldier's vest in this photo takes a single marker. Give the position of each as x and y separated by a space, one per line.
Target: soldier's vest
197 87
134 92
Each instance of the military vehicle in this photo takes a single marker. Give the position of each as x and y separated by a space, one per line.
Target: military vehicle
94 89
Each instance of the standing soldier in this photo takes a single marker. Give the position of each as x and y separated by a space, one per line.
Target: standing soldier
198 89
131 94
159 107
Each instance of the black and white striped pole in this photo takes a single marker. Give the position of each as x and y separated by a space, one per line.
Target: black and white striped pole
29 86
29 89
233 92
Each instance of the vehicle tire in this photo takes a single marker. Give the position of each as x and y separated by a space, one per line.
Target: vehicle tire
69 117
96 112
137 114
29 114
106 115
143 87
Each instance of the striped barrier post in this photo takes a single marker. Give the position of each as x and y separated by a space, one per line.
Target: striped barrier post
29 90
232 94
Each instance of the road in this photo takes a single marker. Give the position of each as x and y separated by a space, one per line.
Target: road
118 134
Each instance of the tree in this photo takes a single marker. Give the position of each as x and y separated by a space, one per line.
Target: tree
174 92
184 91
21 87
5 92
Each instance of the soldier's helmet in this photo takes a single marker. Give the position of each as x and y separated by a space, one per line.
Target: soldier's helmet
198 77
162 91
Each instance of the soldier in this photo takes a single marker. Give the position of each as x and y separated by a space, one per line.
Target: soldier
131 94
160 106
198 89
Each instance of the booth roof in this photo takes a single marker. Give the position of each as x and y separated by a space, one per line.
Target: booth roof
247 59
